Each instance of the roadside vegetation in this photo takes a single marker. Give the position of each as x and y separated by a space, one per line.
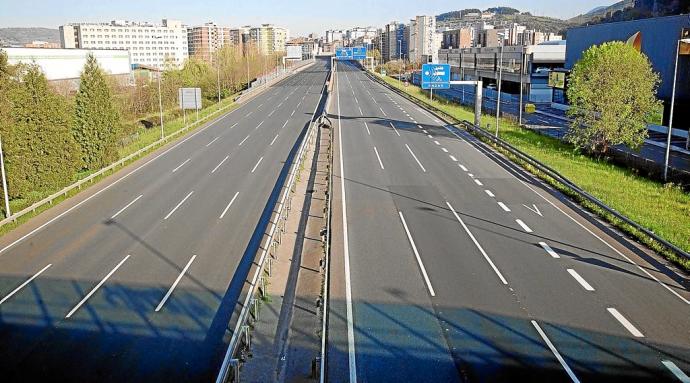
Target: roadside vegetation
662 208
52 137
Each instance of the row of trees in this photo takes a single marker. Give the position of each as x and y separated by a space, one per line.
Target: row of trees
46 138
49 136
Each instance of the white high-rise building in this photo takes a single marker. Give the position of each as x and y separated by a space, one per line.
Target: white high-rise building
148 44
424 41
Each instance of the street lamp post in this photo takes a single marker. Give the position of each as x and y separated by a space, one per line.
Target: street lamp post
673 100
160 103
522 74
500 80
400 58
160 97
8 212
218 74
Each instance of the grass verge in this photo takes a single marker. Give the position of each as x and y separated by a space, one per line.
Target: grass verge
662 208
143 139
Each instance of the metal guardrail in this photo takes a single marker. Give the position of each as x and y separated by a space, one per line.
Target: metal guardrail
258 281
89 179
573 187
267 82
77 185
544 169
327 257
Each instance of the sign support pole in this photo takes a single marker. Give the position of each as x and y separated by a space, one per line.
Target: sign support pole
8 212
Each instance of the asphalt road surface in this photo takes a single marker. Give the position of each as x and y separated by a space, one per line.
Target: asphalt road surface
129 282
451 264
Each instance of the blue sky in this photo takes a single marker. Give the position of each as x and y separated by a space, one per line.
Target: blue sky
300 16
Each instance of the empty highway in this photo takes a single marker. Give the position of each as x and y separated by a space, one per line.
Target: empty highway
133 279
451 264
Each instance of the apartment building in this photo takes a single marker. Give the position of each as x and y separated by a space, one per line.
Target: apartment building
268 38
203 41
152 45
424 41
457 38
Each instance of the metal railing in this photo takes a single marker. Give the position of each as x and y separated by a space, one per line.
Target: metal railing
78 185
241 335
477 131
327 257
121 162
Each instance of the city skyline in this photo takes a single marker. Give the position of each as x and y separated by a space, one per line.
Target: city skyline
301 17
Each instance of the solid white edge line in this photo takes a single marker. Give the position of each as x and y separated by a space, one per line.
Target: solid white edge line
126 206
98 286
677 372
178 205
379 158
245 139
549 250
415 158
257 164
18 288
555 352
228 207
219 164
181 165
476 243
664 285
585 285
170 291
416 254
352 364
625 322
503 206
523 225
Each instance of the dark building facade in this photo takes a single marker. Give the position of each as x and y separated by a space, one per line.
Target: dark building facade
660 37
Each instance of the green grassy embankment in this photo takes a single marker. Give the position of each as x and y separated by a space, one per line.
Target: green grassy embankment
661 208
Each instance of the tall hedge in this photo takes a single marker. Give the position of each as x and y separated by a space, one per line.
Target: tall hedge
40 152
97 124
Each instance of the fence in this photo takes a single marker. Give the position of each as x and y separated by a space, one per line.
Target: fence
241 336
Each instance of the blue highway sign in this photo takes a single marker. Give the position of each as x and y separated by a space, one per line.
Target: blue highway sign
359 53
436 76
343 53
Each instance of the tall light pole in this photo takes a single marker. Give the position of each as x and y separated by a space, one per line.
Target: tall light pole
402 62
500 78
218 73
673 100
522 74
8 212
160 97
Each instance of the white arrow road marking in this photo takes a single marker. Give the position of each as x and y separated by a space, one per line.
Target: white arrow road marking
535 210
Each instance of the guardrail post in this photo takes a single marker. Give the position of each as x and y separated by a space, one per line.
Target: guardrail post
247 337
255 308
235 365
269 265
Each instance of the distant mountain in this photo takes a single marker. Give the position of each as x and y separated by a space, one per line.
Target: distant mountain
602 11
596 10
505 15
633 10
20 36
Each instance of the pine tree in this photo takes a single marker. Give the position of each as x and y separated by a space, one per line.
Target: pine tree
97 124
40 152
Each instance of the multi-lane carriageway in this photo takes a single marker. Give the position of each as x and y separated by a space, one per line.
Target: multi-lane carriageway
451 264
130 280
